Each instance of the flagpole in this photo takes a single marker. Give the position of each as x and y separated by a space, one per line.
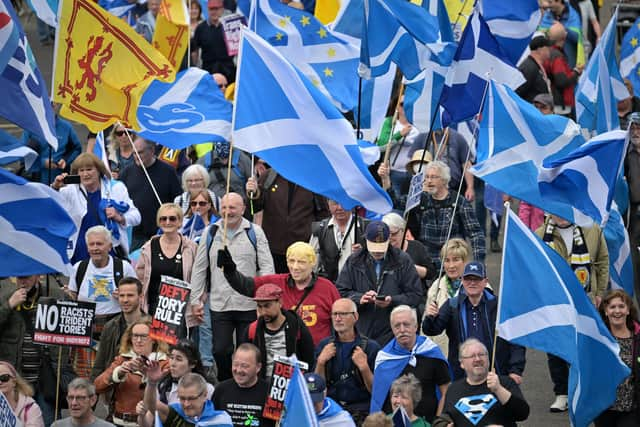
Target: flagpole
394 119
507 206
144 169
359 108
189 40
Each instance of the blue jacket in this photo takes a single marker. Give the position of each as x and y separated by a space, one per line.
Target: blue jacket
510 358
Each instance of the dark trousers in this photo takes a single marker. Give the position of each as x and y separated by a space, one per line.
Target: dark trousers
224 324
617 419
559 372
280 263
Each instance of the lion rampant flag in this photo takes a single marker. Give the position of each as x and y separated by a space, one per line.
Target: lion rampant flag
102 66
171 35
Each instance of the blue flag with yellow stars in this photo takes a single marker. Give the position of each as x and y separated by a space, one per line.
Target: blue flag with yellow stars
630 56
329 61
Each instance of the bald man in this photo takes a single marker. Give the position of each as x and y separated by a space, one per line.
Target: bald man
302 290
231 311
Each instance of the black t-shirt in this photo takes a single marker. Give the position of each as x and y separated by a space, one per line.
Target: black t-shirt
165 181
475 406
162 265
243 404
175 420
431 373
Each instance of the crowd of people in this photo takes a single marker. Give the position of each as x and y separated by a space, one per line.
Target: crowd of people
390 314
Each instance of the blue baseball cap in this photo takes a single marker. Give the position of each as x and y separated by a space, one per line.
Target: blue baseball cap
474 268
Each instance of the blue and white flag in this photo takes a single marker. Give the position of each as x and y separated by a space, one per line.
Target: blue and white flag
13 150
21 81
30 242
193 228
620 263
630 56
400 418
46 10
404 33
100 150
326 59
600 86
349 19
478 59
513 142
298 407
188 111
299 129
120 8
586 178
554 314
376 94
391 361
512 23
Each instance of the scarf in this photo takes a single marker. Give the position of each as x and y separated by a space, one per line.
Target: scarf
113 226
209 416
392 360
579 259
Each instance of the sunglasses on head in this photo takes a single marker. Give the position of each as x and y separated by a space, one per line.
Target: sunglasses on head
200 203
171 218
4 378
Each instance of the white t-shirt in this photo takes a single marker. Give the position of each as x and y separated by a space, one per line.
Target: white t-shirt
98 286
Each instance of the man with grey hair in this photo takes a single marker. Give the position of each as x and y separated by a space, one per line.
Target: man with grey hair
482 397
193 408
345 360
81 397
410 353
163 179
439 207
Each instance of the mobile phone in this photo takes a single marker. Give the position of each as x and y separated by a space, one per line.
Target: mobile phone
381 297
71 179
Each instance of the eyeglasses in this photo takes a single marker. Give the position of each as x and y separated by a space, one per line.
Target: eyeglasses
432 177
171 218
119 133
342 313
5 378
189 398
139 337
77 398
475 356
222 85
200 203
194 180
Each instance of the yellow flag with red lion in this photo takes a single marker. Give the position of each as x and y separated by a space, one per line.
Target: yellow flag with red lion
171 35
102 66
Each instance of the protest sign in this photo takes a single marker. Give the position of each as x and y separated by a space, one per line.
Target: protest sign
415 192
232 26
171 309
7 417
282 372
67 323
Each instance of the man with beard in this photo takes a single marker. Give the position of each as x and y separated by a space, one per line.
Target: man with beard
482 398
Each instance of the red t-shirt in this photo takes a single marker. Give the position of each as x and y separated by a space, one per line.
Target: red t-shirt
316 307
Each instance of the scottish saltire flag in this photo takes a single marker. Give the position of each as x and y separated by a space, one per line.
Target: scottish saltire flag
327 60
298 407
29 243
478 59
100 150
21 81
401 32
586 177
349 19
600 86
620 263
553 314
400 418
12 150
513 142
188 111
374 100
512 23
299 129
120 8
193 228
46 10
630 56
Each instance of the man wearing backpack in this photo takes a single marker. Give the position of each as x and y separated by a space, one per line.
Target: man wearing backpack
345 360
95 280
230 311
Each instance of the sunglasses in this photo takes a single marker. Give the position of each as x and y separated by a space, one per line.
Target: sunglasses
171 218
5 378
200 203
119 132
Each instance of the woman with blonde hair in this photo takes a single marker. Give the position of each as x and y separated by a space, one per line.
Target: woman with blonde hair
125 375
19 394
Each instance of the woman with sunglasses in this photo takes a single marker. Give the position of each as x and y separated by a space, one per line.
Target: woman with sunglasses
125 375
169 254
621 317
201 213
120 150
19 394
